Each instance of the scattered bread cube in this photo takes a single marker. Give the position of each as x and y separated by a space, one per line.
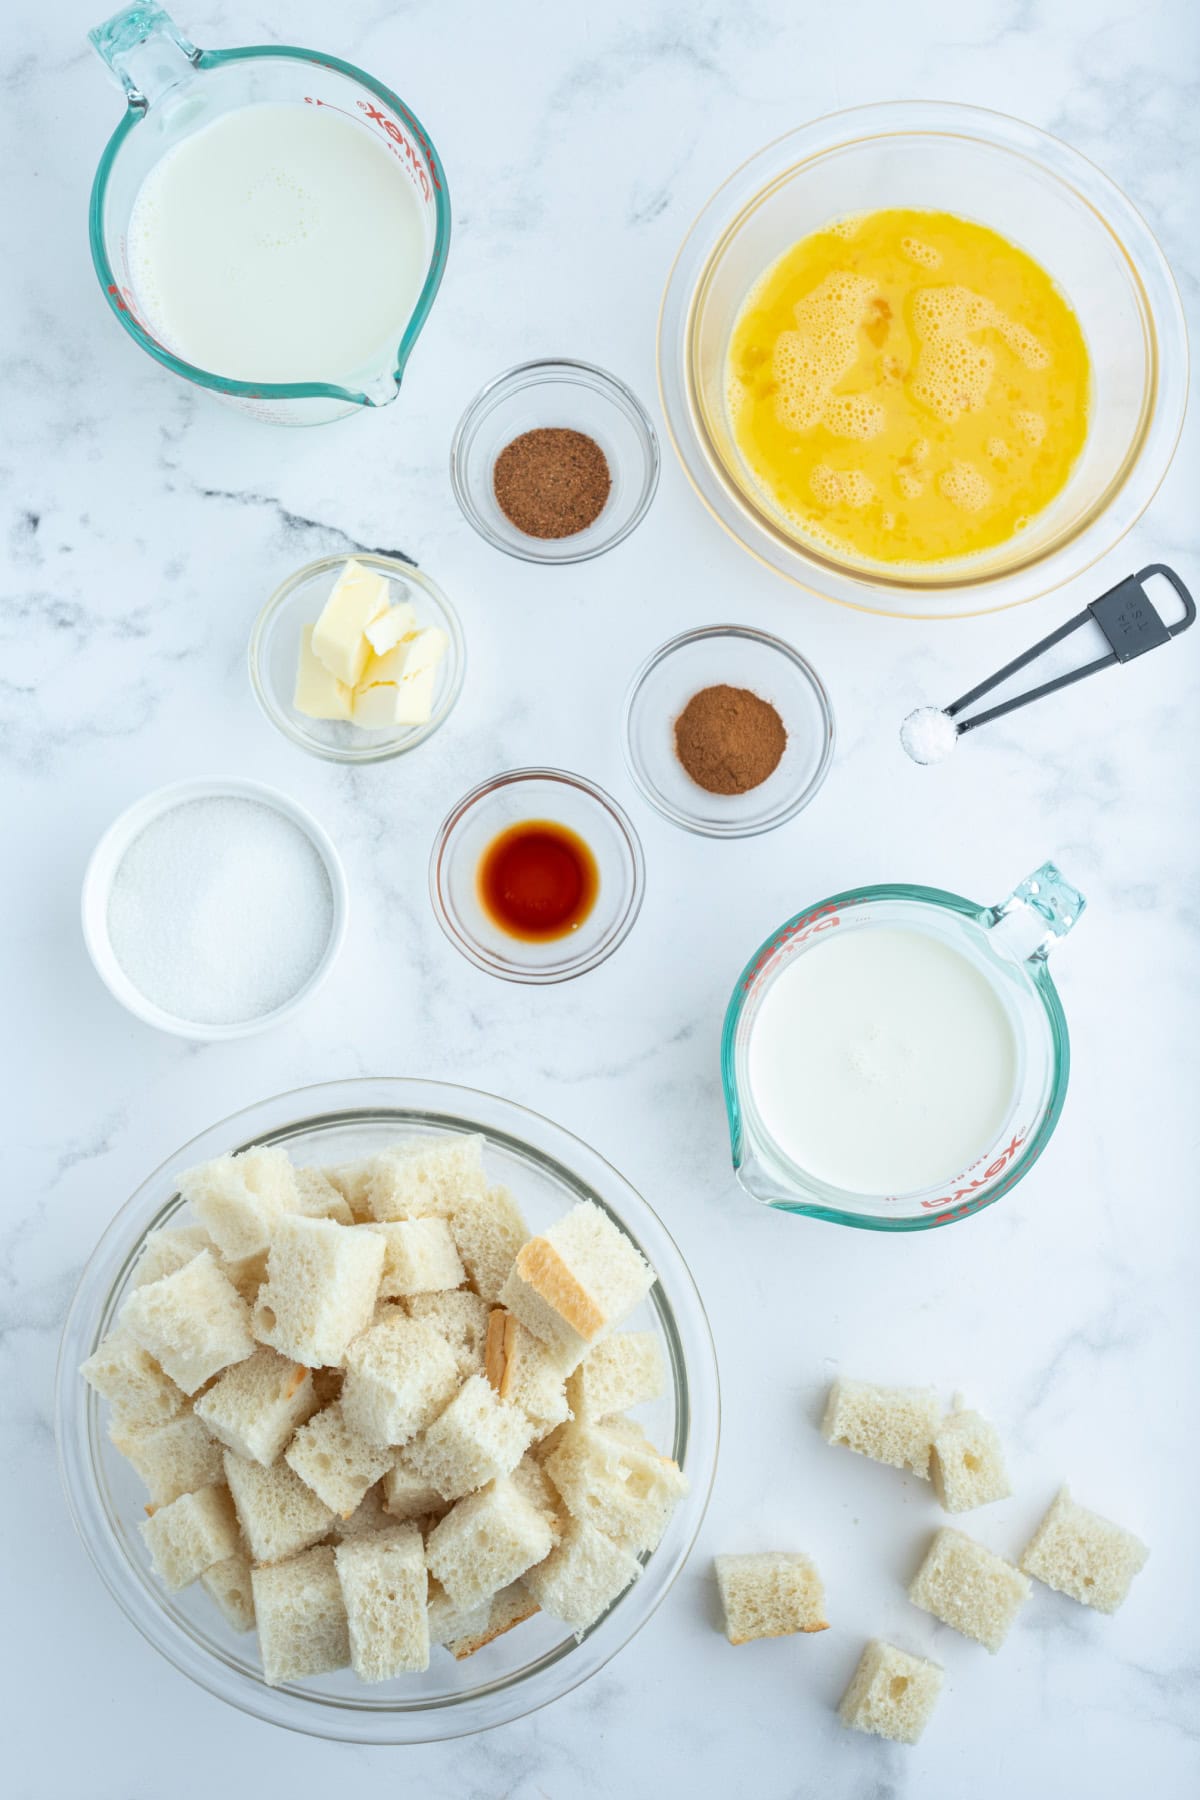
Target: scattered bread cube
771 1593
192 1322
278 1514
134 1385
190 1534
335 1462
896 1426
419 1257
969 1588
425 1179
472 1441
255 1406
489 1230
238 1199
229 1584
511 1606
407 1495
527 1372
577 1281
384 1584
582 1575
1083 1555
320 1291
461 1318
967 1465
622 1371
617 1481
399 1376
168 1249
891 1693
302 1627
172 1459
486 1541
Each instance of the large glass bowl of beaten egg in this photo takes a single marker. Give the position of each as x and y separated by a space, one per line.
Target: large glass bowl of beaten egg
923 359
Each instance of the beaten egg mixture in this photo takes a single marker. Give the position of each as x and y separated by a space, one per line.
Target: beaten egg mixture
908 387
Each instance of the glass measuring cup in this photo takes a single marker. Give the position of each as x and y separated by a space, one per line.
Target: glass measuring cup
173 89
1009 945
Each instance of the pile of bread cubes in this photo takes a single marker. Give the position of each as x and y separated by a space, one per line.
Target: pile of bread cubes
966 1586
375 1414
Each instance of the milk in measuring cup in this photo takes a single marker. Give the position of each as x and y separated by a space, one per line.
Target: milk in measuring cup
882 1061
280 243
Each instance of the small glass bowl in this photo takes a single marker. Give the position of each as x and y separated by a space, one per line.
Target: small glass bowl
511 799
275 653
579 397
736 656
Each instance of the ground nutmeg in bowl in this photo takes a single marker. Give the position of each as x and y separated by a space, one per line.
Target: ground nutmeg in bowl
552 482
729 739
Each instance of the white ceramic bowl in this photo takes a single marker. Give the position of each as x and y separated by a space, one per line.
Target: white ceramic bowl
107 856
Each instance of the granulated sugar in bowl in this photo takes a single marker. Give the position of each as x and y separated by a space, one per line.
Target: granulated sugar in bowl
212 909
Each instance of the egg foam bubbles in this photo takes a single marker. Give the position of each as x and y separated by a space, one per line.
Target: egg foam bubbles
907 387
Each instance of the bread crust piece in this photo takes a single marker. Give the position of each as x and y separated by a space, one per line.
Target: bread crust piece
539 1264
512 1606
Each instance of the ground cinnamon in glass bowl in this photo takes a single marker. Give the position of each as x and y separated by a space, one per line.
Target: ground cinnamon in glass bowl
729 740
552 482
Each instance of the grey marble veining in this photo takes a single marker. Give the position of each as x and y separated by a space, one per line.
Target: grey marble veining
141 526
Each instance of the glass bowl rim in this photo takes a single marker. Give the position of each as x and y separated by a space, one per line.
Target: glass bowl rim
682 1318
1164 406
530 375
635 862
688 821
364 753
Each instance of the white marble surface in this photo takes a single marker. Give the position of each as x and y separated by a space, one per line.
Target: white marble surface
144 525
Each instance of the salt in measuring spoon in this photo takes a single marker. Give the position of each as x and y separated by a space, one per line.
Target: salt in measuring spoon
1131 625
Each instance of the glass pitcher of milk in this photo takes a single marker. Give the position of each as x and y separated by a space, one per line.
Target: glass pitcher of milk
270 223
897 1057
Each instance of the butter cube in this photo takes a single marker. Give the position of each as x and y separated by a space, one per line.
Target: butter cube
385 704
339 635
385 632
375 707
414 698
319 695
424 650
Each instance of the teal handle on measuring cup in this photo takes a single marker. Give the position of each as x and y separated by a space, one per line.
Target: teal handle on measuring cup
146 51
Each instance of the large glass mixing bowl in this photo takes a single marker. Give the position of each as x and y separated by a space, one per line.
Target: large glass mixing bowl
548 1170
1032 189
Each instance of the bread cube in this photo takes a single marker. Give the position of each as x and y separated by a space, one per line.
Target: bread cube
191 1534
246 1274
617 1481
384 1586
896 1426
770 1594
489 1230
891 1693
531 1479
172 1459
407 1495
472 1441
461 1318
368 1516
527 1372
448 1621
278 1514
1079 1553
302 1627
322 1282
582 1576
192 1323
399 1376
511 1606
255 1407
317 1198
228 1583
335 1462
425 1179
486 1541
967 1464
238 1199
418 1258
969 1588
353 1181
577 1281
134 1385
622 1371
168 1249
